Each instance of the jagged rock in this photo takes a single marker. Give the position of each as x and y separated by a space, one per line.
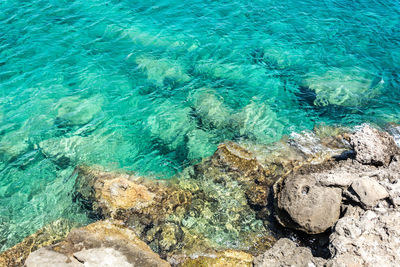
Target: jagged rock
304 205
99 244
286 253
125 196
48 235
194 213
373 146
242 166
232 258
368 191
369 239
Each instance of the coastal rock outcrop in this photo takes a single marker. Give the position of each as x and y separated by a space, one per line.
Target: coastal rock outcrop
99 244
323 192
310 199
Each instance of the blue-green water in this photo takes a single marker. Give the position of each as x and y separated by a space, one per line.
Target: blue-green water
153 86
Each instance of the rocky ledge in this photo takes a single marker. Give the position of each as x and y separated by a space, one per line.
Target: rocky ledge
324 198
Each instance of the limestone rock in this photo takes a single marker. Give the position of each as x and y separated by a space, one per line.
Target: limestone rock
242 166
286 253
370 239
304 205
123 195
99 244
232 258
373 146
368 191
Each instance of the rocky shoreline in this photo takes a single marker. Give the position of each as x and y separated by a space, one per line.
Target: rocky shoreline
324 198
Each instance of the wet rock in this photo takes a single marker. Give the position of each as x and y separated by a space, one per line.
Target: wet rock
304 205
128 197
232 258
286 253
368 191
373 146
242 166
48 235
370 239
99 244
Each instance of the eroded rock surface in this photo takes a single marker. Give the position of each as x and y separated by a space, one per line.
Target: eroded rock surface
48 235
99 244
308 206
287 253
371 239
232 258
373 146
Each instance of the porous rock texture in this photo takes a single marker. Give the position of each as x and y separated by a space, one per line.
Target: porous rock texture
99 244
368 230
287 253
373 146
310 208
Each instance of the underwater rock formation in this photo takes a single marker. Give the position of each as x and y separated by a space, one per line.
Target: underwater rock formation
231 258
48 235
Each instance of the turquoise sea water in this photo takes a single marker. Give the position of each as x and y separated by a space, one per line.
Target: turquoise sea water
154 86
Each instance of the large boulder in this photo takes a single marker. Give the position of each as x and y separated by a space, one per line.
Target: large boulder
373 146
304 205
286 253
99 244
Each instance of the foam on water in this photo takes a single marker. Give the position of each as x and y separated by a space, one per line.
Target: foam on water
153 86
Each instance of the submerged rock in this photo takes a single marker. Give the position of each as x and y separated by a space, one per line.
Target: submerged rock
48 235
232 258
99 244
343 87
286 253
73 110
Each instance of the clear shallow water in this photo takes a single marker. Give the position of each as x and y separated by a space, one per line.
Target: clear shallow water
153 86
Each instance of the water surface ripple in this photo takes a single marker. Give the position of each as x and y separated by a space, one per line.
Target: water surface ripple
153 86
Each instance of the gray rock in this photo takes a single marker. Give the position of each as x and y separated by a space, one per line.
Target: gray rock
373 146
368 191
370 239
306 206
286 253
